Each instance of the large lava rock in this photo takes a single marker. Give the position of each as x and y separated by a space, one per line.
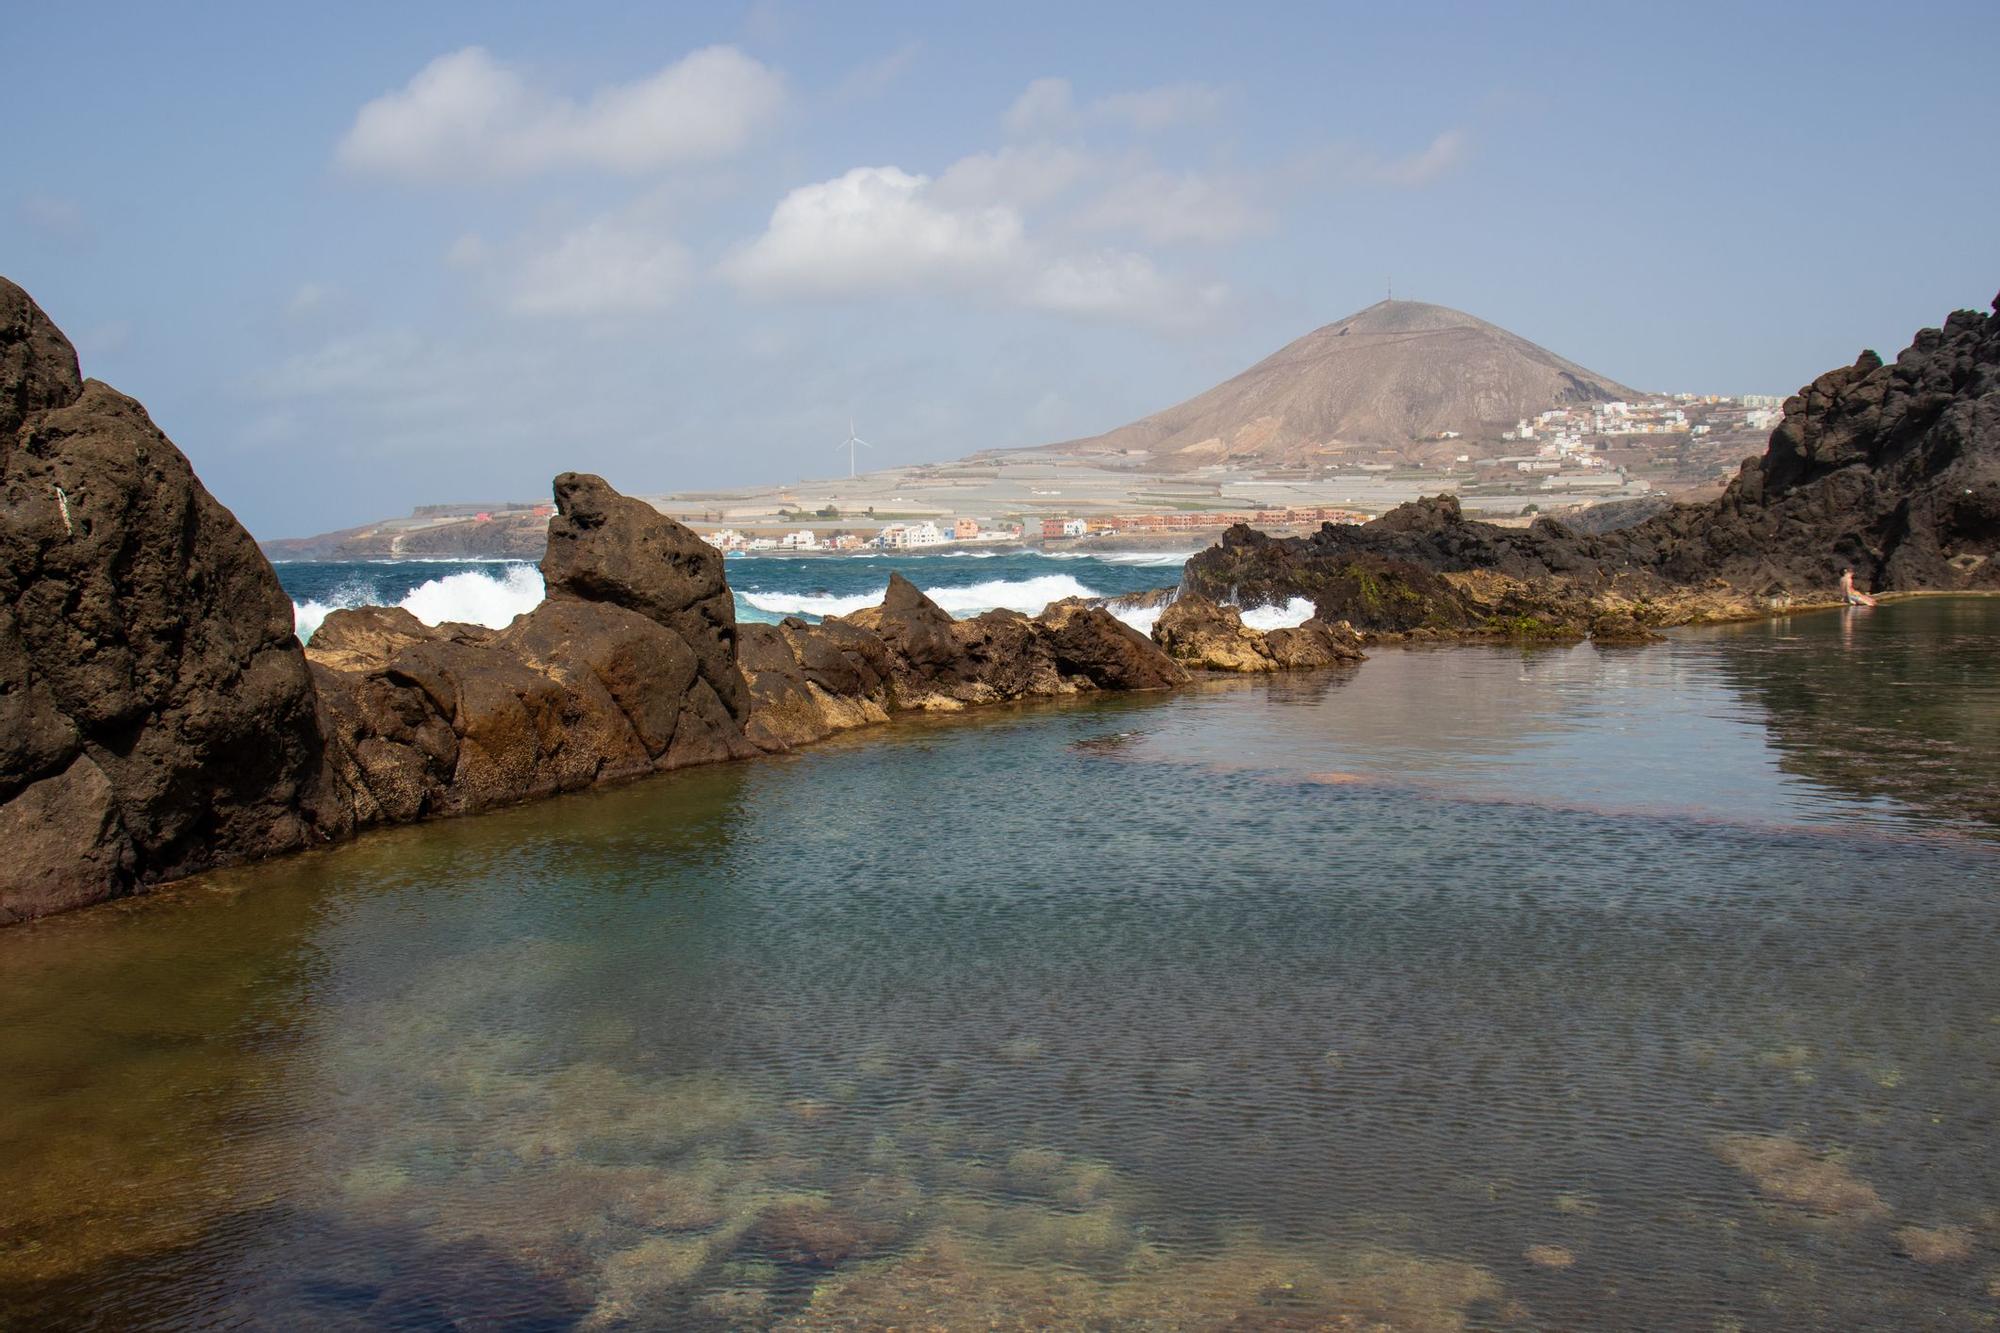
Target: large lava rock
909 655
609 548
156 714
628 667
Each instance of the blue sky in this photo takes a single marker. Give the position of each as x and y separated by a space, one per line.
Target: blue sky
356 258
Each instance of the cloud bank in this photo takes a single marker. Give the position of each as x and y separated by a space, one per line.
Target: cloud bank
468 115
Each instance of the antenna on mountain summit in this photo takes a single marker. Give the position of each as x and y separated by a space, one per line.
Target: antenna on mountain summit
1392 289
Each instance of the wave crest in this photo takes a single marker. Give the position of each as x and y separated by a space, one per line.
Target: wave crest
469 597
1028 596
1289 616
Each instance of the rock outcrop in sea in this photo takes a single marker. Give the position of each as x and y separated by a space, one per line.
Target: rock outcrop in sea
1892 469
158 716
628 667
1210 636
808 681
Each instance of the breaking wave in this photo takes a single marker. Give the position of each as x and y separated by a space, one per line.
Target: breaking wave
1028 596
1141 618
470 597
1292 614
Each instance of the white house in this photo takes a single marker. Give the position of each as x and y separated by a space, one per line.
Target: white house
802 540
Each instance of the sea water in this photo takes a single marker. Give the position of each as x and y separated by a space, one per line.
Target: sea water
1468 988
768 587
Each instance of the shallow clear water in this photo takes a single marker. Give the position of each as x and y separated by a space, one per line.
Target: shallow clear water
1646 988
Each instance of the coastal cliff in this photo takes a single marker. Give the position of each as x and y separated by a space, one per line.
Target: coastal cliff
1892 469
156 713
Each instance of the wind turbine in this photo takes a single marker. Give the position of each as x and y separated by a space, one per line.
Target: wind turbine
849 443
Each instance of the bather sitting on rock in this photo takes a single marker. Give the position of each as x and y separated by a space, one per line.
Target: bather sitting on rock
1854 596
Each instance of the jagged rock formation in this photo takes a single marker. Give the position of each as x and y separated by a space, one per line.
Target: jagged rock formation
1396 372
628 667
808 681
1891 469
1206 636
156 715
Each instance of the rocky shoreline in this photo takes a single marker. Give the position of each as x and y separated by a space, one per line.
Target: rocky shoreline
1891 469
158 717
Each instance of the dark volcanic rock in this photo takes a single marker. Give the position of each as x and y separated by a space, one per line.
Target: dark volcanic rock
1090 642
908 654
1893 469
607 547
628 668
156 715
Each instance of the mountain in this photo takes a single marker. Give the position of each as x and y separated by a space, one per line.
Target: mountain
1889 469
1388 376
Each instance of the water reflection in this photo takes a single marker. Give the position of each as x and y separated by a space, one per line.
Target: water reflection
1564 1007
1899 703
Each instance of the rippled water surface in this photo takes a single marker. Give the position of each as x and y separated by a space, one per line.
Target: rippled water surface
1647 988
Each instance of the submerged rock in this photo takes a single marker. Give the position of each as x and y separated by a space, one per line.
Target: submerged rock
156 714
1789 1172
1554 1257
1935 1245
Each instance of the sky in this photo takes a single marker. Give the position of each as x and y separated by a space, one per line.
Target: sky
358 258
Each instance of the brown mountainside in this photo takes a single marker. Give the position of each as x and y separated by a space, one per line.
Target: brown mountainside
1397 372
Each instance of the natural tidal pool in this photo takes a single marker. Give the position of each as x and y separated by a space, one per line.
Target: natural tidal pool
1470 988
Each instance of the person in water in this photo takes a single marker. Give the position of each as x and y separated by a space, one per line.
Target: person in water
1854 596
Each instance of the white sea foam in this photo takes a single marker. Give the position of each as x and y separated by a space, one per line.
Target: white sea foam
1292 614
306 616
810 604
1027 596
1149 559
1141 618
478 599
472 597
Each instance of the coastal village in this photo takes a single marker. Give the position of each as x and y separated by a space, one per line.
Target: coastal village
1684 446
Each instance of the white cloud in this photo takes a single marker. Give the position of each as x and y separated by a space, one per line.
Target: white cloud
362 363
1442 155
874 229
1154 109
468 251
310 299
1120 285
467 115
603 267
1049 106
1167 207
1045 106
872 79
1020 176
881 230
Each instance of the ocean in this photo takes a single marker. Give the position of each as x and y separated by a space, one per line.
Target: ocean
768 587
1487 987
